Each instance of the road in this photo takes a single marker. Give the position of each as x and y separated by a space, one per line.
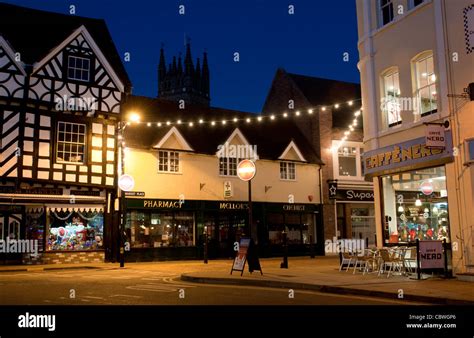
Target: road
149 287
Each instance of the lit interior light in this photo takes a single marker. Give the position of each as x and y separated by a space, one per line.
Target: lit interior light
401 209
418 202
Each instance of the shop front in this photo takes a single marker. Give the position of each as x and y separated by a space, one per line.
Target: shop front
355 212
173 229
52 225
413 195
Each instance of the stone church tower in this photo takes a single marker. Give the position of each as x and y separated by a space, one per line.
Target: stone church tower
184 82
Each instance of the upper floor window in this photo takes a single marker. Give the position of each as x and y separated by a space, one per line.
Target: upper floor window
168 161
415 3
390 99
71 142
386 11
78 68
425 85
228 166
347 160
287 171
470 151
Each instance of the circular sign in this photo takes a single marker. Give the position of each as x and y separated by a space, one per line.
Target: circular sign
246 170
126 182
426 188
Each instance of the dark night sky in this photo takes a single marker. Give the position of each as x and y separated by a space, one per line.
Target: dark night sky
310 42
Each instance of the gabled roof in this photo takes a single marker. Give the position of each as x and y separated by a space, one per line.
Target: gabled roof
319 91
173 132
34 33
292 147
270 137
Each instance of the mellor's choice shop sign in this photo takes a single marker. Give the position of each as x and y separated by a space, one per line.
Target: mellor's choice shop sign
407 155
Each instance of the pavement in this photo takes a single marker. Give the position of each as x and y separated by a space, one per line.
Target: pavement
320 274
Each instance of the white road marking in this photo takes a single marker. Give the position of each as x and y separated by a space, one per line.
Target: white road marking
132 296
93 297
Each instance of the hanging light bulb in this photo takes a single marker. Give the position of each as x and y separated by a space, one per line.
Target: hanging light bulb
418 202
426 210
435 210
401 209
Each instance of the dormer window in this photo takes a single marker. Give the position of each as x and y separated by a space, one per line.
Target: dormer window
78 68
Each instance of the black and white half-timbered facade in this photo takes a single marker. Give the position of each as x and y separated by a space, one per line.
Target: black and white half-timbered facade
62 85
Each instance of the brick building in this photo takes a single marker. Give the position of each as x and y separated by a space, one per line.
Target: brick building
335 130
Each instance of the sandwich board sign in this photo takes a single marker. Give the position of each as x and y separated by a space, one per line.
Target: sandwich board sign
246 254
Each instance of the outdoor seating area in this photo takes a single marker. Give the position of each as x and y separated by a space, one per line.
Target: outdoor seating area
387 261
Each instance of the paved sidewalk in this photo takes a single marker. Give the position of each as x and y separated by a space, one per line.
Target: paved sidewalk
319 274
322 274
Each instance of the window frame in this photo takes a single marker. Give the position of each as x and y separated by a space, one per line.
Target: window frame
287 177
359 167
89 70
227 166
169 158
380 9
391 72
469 159
418 88
57 142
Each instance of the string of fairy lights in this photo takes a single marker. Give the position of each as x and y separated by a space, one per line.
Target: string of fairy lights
134 119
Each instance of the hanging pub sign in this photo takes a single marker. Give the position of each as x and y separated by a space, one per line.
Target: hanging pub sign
408 155
435 136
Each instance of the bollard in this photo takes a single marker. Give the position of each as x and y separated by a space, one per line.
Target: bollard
284 264
205 248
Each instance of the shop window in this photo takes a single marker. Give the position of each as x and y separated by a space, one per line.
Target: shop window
71 142
163 229
347 160
168 161
385 12
288 171
363 223
415 206
390 100
425 84
35 225
75 230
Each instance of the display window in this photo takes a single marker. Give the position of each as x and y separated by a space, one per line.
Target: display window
297 227
160 229
35 224
79 229
415 206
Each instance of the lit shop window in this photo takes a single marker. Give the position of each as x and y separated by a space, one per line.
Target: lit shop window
415 206
288 171
162 229
168 161
75 230
71 142
390 99
425 93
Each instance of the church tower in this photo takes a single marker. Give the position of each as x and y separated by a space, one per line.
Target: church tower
184 81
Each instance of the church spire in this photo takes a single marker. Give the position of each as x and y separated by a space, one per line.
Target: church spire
197 76
188 61
205 75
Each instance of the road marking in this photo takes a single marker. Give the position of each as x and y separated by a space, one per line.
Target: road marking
85 300
93 297
132 296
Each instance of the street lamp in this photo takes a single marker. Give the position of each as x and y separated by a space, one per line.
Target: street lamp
125 182
246 170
